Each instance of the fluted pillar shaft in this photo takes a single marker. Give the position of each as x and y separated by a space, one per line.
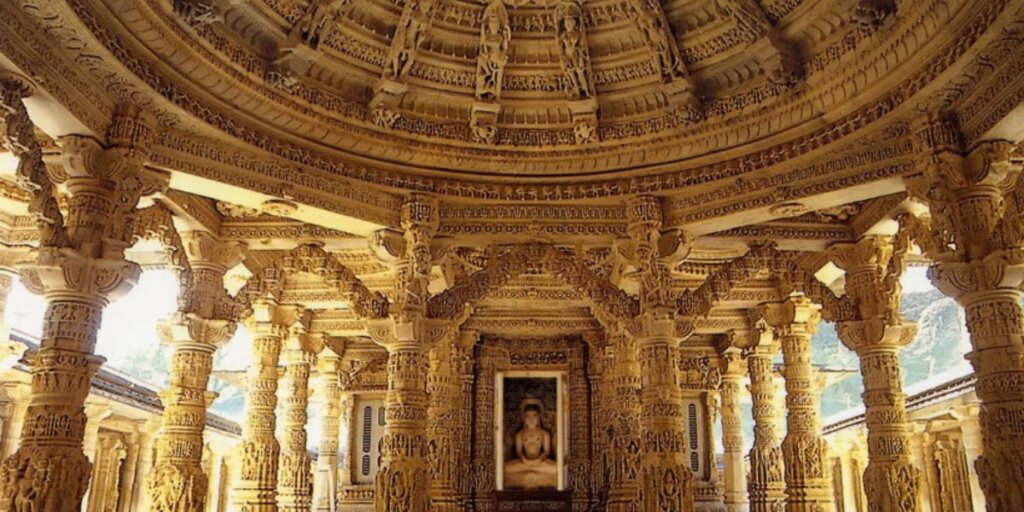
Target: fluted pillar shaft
804 451
256 487
294 477
325 484
766 485
735 478
624 411
666 475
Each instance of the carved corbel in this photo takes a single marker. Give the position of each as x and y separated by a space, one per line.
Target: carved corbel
317 22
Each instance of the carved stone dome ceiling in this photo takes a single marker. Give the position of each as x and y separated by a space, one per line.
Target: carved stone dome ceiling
617 95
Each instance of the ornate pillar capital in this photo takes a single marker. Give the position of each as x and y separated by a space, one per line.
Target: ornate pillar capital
206 252
796 315
64 273
873 335
733 363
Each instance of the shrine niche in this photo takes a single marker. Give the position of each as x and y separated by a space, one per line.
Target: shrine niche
531 421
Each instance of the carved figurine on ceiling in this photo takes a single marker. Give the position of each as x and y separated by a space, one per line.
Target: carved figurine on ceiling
320 18
657 34
572 47
417 16
495 35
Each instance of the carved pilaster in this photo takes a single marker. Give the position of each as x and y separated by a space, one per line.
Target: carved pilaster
804 451
256 486
877 334
326 477
733 370
766 484
482 473
444 387
294 477
624 411
975 234
579 432
177 482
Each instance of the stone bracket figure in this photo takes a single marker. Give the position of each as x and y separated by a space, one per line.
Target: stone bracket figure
317 23
573 51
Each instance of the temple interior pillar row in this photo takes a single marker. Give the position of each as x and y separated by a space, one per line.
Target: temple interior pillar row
804 451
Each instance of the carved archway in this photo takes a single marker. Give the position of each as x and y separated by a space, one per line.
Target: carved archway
311 259
608 302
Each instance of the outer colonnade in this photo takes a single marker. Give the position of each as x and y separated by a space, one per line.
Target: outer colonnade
80 266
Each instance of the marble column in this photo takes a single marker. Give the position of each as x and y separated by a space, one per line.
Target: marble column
766 486
624 411
804 451
78 267
294 476
177 481
256 487
735 478
877 333
325 485
667 481
975 234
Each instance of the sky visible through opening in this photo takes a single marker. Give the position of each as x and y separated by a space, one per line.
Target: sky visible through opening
128 340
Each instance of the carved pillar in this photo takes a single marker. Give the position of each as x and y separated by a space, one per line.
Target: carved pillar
766 485
325 486
79 268
294 477
345 457
666 478
402 481
877 334
106 487
256 487
177 482
733 371
667 481
803 450
624 410
975 234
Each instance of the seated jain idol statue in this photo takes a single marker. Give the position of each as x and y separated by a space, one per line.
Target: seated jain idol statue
533 467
